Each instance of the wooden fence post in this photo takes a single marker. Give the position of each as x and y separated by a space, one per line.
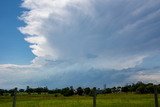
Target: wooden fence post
156 96
14 97
94 97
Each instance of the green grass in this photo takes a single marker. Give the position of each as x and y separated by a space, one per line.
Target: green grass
107 100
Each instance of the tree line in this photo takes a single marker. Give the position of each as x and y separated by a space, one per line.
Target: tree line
139 87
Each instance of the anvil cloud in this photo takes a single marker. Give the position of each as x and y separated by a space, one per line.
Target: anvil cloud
88 41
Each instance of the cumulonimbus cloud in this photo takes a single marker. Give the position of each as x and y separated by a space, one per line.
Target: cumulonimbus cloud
122 32
78 35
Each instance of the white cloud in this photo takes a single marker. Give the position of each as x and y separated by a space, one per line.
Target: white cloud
69 36
74 29
147 75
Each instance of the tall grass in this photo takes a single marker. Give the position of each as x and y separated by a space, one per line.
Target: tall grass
107 100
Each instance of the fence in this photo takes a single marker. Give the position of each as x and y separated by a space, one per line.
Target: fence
156 96
94 97
14 97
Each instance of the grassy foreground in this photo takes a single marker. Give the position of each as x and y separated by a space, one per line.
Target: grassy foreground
107 100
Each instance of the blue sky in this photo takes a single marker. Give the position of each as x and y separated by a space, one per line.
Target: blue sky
61 43
13 47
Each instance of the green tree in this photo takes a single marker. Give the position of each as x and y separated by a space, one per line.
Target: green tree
80 91
87 91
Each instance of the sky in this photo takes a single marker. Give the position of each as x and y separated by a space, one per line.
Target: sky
12 45
59 43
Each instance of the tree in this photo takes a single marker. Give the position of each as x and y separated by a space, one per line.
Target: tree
2 92
113 89
150 88
39 90
71 91
125 89
108 90
67 91
141 89
28 90
87 91
80 91
45 89
21 90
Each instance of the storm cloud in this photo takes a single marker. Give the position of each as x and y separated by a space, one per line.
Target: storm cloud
91 41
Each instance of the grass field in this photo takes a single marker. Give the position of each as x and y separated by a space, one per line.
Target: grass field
107 100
